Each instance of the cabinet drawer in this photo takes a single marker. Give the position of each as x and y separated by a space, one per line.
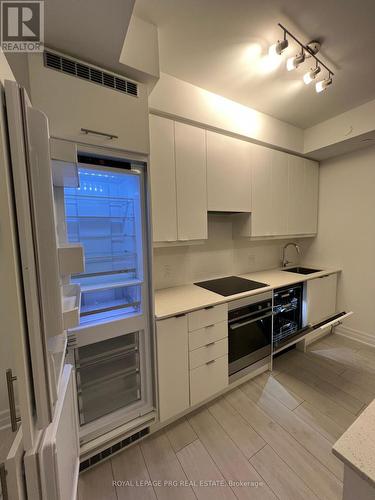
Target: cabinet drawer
207 316
211 333
208 379
207 353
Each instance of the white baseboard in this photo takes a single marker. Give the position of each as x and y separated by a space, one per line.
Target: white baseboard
351 333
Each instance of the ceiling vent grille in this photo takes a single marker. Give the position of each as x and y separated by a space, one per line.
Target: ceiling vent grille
86 72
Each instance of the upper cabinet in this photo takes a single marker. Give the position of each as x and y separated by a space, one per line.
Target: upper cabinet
302 196
228 174
191 182
87 105
284 195
178 181
163 179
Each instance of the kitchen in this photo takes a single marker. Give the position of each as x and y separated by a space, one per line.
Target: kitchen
186 254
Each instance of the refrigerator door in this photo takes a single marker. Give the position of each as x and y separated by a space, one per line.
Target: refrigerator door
11 472
59 451
34 210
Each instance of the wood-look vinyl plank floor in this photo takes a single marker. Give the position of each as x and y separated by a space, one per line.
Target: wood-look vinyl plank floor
269 438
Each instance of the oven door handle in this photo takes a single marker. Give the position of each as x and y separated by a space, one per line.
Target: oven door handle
244 323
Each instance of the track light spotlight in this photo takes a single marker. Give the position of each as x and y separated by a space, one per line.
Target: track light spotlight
323 84
277 48
294 62
311 75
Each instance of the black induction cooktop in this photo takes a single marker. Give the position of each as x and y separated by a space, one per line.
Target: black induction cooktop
230 285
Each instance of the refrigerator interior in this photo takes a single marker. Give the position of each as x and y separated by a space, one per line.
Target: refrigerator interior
104 215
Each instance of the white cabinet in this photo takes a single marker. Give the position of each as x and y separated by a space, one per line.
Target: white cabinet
163 179
284 195
321 298
208 352
261 216
73 103
178 181
173 366
191 182
270 190
228 174
302 196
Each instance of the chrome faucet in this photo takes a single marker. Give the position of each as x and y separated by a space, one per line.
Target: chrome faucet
285 261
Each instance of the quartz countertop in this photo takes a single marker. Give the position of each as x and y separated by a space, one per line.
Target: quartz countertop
186 298
356 447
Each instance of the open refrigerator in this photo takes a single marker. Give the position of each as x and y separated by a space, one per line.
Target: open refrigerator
85 343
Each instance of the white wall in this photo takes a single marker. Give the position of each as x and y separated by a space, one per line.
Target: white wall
182 99
219 256
346 233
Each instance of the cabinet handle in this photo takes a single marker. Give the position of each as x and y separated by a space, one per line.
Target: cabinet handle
210 326
12 401
209 344
210 362
3 482
209 307
180 315
95 132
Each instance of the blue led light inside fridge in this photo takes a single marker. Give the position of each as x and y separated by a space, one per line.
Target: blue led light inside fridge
104 214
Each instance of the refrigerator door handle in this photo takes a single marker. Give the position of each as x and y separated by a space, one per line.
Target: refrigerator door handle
12 401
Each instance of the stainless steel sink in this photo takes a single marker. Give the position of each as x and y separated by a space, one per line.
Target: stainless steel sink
301 270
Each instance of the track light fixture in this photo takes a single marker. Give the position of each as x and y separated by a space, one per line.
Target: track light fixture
311 75
308 50
323 84
294 62
277 48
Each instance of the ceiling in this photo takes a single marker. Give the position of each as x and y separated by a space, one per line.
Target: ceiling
222 46
92 30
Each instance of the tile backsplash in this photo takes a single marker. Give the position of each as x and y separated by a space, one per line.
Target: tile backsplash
220 255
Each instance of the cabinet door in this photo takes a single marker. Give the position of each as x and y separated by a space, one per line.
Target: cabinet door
73 104
321 298
163 179
261 216
173 366
11 471
279 193
228 174
303 196
191 183
311 196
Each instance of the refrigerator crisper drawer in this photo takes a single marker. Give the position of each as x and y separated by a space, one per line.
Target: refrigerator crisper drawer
108 376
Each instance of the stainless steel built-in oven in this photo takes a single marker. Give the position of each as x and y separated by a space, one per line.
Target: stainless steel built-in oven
249 330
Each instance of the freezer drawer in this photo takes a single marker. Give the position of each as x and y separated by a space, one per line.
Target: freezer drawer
108 376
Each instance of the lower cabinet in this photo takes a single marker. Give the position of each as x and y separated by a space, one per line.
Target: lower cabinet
192 357
321 298
208 379
173 366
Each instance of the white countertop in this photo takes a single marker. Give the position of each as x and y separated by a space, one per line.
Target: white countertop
185 298
356 447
